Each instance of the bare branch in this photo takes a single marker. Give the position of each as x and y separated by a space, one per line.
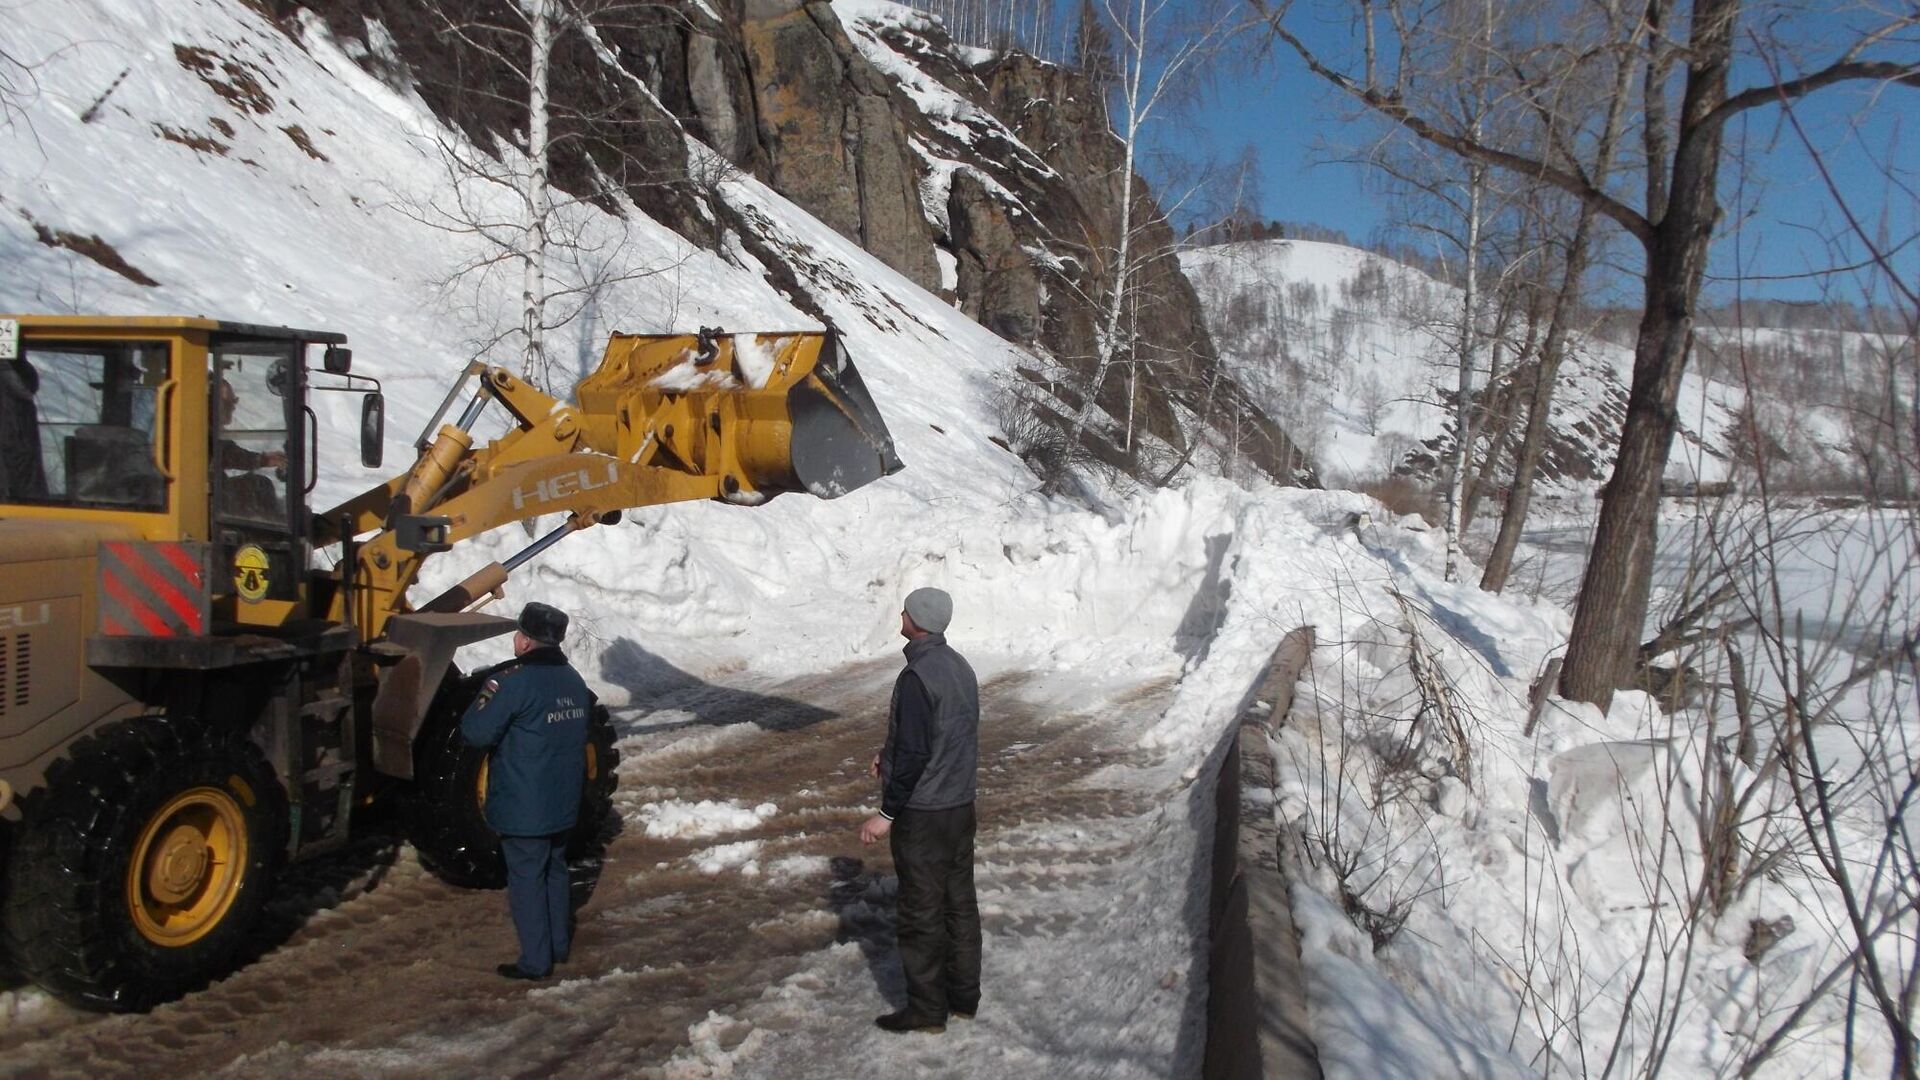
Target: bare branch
1883 71
1394 108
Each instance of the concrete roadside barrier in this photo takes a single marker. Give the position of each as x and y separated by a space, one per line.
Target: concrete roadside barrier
1256 999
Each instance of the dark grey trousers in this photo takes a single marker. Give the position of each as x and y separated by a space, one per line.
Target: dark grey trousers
939 915
537 896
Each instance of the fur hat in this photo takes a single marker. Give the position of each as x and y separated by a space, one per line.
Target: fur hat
543 623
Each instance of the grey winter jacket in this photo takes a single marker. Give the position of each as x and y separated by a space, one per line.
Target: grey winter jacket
933 731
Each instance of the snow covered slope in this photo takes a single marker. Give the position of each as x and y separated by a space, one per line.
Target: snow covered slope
1356 353
197 159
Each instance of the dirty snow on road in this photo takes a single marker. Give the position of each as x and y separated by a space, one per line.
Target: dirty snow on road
752 935
687 964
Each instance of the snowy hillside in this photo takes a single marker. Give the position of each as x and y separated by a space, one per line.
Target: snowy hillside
1356 352
277 182
312 231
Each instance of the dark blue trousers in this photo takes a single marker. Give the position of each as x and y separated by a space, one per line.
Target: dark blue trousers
537 896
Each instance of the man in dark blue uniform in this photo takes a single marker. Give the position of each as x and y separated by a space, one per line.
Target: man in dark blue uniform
532 712
927 770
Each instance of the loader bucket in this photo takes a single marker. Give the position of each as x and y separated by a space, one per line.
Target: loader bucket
803 418
839 442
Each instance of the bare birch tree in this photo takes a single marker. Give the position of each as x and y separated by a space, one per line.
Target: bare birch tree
1475 105
505 196
1153 58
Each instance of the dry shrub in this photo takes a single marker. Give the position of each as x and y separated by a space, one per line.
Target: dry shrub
1037 434
1405 495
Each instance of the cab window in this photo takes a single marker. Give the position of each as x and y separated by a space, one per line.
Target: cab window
77 425
249 451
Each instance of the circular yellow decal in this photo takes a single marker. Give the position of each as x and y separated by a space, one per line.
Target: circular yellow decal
250 572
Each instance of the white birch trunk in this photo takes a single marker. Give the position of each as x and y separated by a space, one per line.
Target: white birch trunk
539 199
1107 340
1133 396
1463 403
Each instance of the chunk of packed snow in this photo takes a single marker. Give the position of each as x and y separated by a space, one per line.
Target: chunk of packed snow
741 855
679 819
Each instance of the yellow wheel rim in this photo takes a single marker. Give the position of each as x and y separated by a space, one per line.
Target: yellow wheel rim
486 763
187 867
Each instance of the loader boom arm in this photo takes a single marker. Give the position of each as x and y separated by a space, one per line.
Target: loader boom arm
737 417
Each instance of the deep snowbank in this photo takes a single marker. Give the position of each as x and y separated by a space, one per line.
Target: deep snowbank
1479 899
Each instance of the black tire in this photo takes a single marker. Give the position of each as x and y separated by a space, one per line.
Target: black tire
592 832
443 811
76 919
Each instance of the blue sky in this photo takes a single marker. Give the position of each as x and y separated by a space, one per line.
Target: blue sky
1305 138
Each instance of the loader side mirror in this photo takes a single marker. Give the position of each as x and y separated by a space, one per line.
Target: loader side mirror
373 429
337 360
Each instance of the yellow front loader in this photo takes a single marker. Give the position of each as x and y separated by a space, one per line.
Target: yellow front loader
189 697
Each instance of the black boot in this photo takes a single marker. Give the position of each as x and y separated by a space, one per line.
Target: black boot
903 1021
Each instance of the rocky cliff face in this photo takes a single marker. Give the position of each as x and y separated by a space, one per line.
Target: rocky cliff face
1022 176
869 118
825 124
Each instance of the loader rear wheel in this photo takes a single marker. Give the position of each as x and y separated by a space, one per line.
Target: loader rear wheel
142 864
444 809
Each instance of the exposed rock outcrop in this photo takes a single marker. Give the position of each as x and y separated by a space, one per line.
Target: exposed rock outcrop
995 276
832 140
1035 233
723 112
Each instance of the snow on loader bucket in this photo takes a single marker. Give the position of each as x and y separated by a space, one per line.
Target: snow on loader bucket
664 419
828 439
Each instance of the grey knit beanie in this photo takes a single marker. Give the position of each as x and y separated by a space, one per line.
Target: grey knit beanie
930 609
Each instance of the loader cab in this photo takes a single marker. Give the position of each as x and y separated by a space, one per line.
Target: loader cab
172 430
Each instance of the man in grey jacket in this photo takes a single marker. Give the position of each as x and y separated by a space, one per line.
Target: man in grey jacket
926 770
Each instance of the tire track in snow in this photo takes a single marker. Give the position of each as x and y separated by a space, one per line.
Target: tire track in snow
390 973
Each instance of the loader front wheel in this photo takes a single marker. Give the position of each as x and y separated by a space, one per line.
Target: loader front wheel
142 864
444 811
595 829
